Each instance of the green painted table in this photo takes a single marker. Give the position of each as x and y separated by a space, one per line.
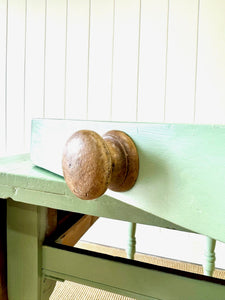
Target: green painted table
180 186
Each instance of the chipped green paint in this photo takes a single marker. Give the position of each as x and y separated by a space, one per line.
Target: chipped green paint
24 182
181 181
182 169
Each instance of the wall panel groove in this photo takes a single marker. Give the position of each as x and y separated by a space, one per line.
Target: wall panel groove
100 63
44 71
65 72
77 59
15 75
3 73
125 62
143 60
138 63
181 61
196 63
24 79
55 58
152 61
88 63
34 64
210 89
166 61
128 60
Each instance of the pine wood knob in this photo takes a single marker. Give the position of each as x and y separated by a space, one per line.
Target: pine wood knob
92 163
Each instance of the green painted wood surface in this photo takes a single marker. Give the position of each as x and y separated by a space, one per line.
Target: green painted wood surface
3 251
181 181
209 256
128 279
131 242
33 268
24 182
26 226
182 169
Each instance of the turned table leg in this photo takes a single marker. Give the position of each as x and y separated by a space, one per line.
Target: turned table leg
131 245
210 257
27 226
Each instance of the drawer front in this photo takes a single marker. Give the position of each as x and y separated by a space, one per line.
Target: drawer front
182 169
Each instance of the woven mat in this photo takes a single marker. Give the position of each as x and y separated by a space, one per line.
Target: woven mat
72 291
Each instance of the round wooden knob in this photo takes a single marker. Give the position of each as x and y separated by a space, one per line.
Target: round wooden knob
92 163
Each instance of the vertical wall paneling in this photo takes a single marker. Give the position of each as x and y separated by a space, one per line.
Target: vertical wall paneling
34 66
15 75
181 61
154 60
125 60
77 59
100 59
56 13
153 39
3 45
210 96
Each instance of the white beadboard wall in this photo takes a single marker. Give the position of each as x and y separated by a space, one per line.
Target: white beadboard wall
129 60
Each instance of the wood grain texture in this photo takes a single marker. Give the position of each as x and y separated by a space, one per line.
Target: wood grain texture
75 232
86 164
177 162
91 164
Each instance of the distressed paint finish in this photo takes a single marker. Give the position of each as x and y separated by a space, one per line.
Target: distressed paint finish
23 182
181 176
27 225
178 168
